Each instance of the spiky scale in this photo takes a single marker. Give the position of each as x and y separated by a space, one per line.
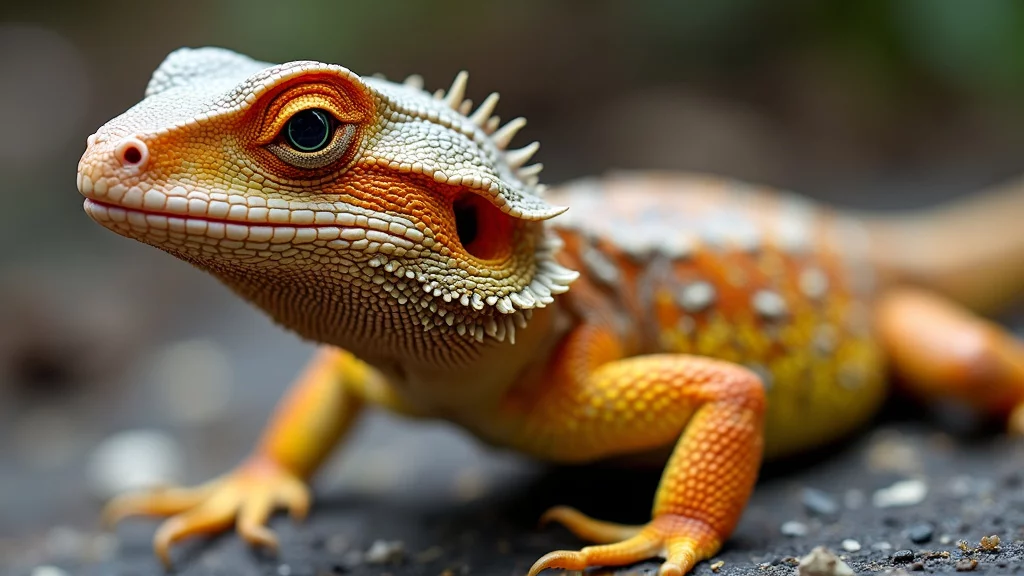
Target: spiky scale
517 158
504 135
484 111
457 92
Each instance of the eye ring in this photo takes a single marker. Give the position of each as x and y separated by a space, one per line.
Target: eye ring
312 139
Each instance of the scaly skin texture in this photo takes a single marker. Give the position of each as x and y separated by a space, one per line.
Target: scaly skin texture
708 322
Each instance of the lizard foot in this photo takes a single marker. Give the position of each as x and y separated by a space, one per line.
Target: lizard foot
245 497
681 541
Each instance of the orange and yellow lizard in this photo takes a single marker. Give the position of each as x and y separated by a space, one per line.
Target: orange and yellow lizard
704 321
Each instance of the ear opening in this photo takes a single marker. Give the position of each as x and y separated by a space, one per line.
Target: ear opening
484 231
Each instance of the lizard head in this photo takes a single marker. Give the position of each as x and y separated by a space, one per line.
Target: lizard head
353 210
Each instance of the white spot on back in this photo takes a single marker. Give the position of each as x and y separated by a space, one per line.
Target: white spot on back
793 224
769 304
599 265
813 283
697 296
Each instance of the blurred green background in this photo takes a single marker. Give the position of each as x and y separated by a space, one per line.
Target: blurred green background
869 104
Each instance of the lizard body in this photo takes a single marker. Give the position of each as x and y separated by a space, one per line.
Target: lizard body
699 317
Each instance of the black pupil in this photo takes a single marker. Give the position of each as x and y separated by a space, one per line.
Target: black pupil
309 130
466 222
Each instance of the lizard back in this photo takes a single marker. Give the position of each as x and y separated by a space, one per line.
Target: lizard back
720 268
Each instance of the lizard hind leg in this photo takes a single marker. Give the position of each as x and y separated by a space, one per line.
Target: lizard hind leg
942 350
596 406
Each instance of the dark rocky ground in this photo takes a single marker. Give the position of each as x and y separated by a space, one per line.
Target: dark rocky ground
458 518
443 505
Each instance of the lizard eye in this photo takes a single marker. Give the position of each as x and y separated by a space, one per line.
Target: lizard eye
313 138
309 130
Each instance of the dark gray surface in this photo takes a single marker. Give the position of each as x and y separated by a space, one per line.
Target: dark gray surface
452 512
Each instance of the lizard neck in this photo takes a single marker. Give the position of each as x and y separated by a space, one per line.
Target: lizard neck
437 370
463 393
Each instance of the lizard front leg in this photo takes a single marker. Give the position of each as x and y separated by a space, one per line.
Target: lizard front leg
595 404
315 414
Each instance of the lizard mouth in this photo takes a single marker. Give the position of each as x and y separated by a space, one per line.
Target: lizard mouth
156 224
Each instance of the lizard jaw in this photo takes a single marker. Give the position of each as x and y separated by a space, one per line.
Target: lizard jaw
160 228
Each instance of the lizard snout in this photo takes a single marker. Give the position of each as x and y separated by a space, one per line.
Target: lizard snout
111 163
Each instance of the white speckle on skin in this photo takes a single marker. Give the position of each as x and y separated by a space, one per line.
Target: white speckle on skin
813 283
769 304
599 265
697 296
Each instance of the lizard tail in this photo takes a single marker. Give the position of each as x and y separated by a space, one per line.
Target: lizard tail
971 250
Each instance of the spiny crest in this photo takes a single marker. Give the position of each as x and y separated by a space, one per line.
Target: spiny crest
486 120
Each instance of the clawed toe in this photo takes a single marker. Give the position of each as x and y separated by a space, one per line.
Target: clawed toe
247 497
681 541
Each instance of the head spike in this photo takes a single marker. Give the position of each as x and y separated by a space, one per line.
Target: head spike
414 81
504 135
492 124
439 94
465 107
517 158
531 170
485 110
379 76
458 90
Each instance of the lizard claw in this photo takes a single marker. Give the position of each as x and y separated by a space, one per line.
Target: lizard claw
681 541
245 497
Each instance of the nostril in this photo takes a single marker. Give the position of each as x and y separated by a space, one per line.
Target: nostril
132 153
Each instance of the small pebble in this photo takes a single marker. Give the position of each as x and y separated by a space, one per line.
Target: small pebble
48 571
132 460
903 493
903 556
717 566
284 570
819 502
890 451
794 528
989 543
822 562
470 484
921 533
851 545
881 546
966 565
945 539
429 555
382 552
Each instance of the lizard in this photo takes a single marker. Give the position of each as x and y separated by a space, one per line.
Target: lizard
692 320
